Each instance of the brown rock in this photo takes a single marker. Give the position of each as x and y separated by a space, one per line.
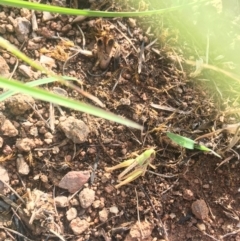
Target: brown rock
103 215
188 194
8 129
18 104
3 16
96 203
61 201
22 28
22 166
25 144
74 129
2 29
139 230
114 210
106 177
86 197
7 150
71 214
32 46
78 226
74 180
10 28
200 209
26 71
109 189
4 68
66 28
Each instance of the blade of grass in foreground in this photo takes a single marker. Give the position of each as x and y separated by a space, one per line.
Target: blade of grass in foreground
89 13
38 82
69 103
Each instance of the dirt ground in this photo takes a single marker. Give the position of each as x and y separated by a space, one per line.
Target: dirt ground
143 75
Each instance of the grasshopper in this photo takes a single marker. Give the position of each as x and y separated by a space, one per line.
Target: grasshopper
140 164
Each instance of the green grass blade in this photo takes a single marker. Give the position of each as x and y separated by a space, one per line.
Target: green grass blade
181 140
11 48
63 101
38 82
89 13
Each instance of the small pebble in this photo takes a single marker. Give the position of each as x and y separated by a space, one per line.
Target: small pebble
25 144
172 215
86 197
200 209
33 131
25 71
96 204
109 189
61 201
74 202
8 129
114 210
188 194
22 27
201 226
4 68
196 181
48 141
106 177
22 166
135 232
132 22
71 214
103 215
74 129
48 135
74 180
19 104
78 226
206 186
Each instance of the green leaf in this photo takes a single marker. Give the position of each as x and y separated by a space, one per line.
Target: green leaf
181 140
189 143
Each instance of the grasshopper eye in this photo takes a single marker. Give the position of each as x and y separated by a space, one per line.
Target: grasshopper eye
99 42
110 42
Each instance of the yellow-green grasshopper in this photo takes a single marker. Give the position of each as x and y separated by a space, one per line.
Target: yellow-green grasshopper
140 164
